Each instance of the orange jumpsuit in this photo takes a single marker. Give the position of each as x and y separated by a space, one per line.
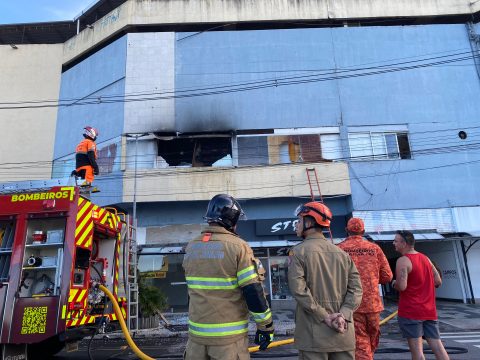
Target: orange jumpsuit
374 269
86 156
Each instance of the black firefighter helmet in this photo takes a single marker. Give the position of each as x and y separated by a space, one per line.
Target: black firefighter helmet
224 210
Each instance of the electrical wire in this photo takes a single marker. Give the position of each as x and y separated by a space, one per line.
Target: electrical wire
415 142
330 71
256 85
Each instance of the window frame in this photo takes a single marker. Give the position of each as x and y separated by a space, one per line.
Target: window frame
387 155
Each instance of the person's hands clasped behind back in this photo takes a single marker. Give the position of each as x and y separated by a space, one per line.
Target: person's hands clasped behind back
337 322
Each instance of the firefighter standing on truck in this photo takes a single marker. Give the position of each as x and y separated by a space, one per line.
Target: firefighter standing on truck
86 156
224 285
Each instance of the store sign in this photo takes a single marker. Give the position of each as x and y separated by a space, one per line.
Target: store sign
154 274
275 227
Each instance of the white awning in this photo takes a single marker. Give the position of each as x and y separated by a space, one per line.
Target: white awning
161 250
419 236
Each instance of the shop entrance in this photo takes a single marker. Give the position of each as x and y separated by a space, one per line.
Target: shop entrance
448 257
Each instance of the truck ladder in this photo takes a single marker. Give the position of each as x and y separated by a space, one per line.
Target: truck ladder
314 184
34 185
132 284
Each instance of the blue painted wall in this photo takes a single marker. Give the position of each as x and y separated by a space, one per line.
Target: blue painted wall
250 58
434 100
100 75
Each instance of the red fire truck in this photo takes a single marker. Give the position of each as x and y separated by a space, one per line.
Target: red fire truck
56 246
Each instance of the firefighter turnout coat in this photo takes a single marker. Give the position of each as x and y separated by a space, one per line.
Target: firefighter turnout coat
324 280
217 265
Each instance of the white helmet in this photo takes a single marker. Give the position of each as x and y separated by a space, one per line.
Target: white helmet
90 132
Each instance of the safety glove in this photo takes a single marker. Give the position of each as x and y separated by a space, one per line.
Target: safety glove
95 170
264 337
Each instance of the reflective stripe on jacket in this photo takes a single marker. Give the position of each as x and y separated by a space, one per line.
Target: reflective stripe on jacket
217 265
82 150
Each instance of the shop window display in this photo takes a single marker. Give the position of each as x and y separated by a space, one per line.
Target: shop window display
279 278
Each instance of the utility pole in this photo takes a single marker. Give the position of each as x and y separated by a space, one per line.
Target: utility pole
135 136
132 292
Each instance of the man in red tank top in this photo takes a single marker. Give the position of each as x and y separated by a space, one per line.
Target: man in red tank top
416 280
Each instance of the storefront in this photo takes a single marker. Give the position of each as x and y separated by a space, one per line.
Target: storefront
435 236
270 239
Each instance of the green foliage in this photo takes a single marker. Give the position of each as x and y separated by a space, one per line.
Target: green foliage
151 299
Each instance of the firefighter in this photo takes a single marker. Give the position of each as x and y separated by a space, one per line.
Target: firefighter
86 156
224 282
326 285
374 269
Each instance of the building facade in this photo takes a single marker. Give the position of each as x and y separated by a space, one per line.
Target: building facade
193 99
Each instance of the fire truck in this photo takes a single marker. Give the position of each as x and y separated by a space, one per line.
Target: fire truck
56 248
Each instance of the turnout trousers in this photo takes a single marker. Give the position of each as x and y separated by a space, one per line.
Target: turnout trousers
234 351
367 334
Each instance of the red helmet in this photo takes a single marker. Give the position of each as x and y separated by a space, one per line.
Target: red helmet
90 132
320 212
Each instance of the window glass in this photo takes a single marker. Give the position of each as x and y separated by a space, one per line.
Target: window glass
165 272
252 150
279 278
331 147
360 146
392 147
379 146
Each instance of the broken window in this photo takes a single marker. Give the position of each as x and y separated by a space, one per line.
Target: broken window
282 149
195 151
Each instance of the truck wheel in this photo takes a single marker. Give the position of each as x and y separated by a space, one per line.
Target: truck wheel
45 349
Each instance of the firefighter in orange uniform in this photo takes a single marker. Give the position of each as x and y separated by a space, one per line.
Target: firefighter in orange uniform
374 269
224 285
86 156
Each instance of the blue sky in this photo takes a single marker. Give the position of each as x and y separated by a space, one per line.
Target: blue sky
23 11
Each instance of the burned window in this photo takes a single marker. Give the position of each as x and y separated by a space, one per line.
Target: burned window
196 151
279 149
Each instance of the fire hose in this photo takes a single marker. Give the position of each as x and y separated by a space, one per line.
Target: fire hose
119 314
253 349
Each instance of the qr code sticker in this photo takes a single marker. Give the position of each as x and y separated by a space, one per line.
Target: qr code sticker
34 320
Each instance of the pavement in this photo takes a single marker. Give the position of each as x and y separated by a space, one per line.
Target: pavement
452 316
460 323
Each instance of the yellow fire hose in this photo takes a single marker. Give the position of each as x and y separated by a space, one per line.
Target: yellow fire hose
119 314
291 341
144 356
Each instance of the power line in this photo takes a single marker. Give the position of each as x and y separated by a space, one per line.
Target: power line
255 85
331 71
446 148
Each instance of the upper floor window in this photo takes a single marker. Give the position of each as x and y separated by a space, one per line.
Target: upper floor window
197 150
285 146
379 145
